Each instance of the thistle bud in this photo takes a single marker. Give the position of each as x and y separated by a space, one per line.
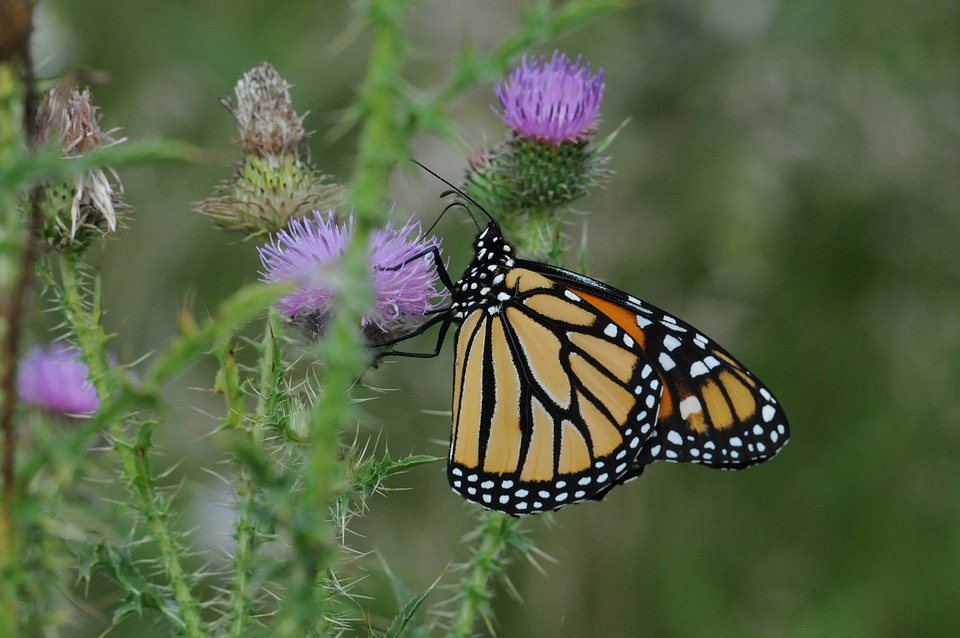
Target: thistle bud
275 180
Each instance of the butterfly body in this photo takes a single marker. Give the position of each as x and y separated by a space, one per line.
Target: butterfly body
565 387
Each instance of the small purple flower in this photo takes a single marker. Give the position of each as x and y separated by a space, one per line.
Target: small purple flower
308 254
56 379
557 101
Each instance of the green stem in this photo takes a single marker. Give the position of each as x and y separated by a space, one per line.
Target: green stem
496 536
137 472
247 492
383 139
136 460
85 322
308 608
240 603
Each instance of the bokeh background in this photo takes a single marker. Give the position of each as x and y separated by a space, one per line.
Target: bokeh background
788 181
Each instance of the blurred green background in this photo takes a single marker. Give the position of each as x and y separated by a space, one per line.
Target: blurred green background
788 182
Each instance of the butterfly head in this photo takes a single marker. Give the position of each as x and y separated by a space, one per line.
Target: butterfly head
482 284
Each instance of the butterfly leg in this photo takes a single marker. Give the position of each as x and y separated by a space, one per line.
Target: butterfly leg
442 319
438 264
441 315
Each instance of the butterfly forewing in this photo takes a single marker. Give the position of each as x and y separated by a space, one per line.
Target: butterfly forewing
568 400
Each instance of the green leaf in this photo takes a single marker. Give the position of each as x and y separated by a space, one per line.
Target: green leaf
227 383
371 473
86 554
120 568
403 618
48 164
145 436
389 467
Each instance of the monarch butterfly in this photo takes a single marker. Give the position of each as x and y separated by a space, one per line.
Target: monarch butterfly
565 387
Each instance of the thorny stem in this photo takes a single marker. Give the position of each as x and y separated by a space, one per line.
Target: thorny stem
245 532
382 138
240 596
485 565
134 460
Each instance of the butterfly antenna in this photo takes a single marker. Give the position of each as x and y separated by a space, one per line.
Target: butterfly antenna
448 207
454 189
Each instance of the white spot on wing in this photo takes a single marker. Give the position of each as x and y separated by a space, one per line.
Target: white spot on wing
666 362
671 343
690 405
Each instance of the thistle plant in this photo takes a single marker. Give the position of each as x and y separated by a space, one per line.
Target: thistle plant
89 498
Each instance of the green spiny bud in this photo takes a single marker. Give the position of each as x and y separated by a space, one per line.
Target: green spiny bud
528 184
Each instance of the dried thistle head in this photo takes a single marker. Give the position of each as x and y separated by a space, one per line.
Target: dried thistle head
76 212
275 181
266 120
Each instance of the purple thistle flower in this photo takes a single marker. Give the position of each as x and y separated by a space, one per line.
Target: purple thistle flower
557 101
56 379
308 253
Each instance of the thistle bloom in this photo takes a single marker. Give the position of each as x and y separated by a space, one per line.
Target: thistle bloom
308 253
68 118
551 158
56 379
556 101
